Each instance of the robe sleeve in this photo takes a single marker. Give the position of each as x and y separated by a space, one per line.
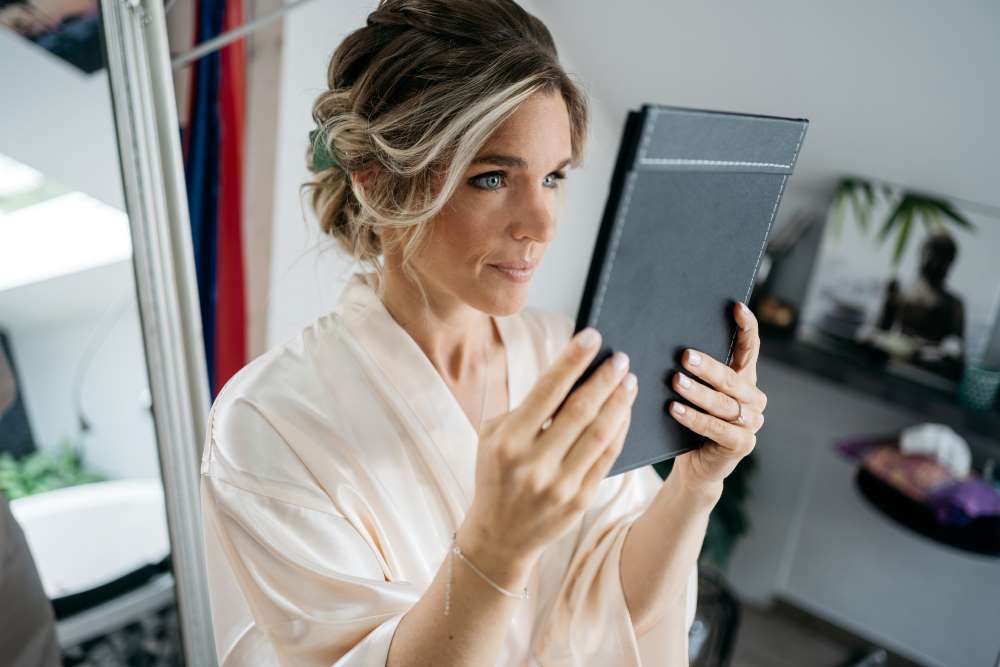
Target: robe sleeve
292 582
584 619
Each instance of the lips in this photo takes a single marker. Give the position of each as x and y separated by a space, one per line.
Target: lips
517 266
517 275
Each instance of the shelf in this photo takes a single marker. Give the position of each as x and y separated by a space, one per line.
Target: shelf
852 370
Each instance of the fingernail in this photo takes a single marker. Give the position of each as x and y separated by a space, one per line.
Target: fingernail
683 379
620 361
678 407
630 382
694 358
744 308
588 338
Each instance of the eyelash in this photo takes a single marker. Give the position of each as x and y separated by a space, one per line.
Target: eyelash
557 174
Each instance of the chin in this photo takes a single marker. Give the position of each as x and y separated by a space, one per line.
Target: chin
507 301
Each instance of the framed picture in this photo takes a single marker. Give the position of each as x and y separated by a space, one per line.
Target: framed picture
905 279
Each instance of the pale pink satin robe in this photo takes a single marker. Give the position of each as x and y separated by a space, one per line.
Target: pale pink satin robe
335 470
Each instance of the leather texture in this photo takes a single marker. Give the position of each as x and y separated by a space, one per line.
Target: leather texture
693 196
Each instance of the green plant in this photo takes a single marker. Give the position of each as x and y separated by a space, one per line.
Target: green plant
908 209
43 471
729 519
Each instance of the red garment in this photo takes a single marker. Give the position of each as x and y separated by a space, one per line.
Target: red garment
230 298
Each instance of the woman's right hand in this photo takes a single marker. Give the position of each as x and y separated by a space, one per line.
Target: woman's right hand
533 484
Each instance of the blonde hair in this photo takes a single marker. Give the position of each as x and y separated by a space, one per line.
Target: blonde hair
416 93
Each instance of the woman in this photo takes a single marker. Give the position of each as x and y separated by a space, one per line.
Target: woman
389 487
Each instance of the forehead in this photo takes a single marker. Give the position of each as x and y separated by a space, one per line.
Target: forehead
538 131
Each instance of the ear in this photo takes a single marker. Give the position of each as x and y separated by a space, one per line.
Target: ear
363 178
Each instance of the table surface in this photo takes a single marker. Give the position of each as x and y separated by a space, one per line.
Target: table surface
816 542
918 597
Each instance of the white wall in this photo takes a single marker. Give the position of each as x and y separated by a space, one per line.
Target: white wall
103 338
902 91
59 121
305 281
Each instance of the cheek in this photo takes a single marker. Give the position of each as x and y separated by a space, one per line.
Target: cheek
466 230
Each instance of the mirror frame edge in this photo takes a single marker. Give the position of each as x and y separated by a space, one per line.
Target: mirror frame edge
152 171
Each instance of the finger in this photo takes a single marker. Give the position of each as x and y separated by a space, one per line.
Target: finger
714 402
599 470
728 436
721 377
747 341
752 419
582 408
554 384
602 431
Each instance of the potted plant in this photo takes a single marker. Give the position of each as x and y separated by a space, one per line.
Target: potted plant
908 209
44 470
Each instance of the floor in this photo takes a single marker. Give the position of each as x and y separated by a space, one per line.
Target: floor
782 636
151 641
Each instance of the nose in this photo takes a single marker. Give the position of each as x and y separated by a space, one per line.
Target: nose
536 219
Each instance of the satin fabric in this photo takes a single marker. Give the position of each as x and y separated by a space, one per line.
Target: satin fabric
335 469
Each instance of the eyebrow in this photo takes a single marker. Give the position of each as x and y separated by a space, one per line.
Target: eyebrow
511 161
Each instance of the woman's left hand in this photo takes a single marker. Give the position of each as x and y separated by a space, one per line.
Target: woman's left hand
728 388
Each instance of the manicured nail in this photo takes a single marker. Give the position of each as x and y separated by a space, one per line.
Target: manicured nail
694 358
588 338
678 407
620 361
630 382
683 379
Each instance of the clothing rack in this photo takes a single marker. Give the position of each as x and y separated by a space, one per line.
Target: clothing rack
219 41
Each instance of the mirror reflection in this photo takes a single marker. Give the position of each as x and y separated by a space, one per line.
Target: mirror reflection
85 577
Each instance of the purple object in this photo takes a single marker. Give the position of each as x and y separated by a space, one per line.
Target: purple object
963 501
856 448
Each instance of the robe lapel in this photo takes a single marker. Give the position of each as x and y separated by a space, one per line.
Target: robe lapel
416 392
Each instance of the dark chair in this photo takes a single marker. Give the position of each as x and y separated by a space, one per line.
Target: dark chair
716 621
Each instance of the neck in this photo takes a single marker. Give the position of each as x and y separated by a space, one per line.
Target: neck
450 332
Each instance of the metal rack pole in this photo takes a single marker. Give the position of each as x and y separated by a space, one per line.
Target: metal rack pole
225 38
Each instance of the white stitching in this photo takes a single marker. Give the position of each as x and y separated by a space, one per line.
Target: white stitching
620 220
774 210
714 163
649 135
614 247
763 242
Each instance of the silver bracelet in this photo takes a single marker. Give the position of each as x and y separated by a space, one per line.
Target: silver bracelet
457 551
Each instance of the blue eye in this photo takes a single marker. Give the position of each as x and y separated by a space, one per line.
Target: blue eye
557 176
494 179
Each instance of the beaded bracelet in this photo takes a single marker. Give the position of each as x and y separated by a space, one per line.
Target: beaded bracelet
457 551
